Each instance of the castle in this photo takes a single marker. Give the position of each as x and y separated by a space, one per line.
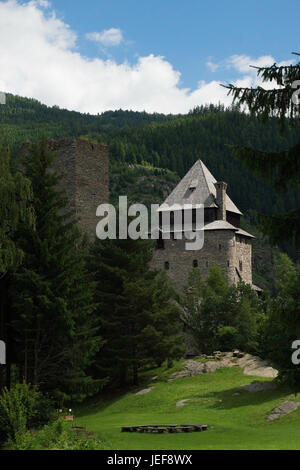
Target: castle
84 167
225 243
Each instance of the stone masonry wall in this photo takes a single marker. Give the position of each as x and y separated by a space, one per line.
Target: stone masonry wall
244 254
84 167
85 171
219 247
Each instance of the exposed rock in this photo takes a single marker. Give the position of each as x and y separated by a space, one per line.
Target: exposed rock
192 368
259 387
236 394
283 409
144 391
211 366
237 353
182 402
252 365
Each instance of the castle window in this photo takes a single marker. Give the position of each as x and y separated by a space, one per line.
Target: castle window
228 263
167 265
241 265
207 264
220 247
195 263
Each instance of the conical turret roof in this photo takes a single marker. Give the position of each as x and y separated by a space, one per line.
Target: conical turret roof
197 187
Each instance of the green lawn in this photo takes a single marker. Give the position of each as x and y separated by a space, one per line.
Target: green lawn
234 422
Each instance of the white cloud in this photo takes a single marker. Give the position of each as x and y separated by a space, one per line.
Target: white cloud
107 37
242 63
43 3
39 58
212 66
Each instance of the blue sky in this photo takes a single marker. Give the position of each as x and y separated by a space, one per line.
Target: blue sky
189 33
165 56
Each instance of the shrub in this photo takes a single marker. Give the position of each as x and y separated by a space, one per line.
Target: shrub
17 407
23 407
227 338
58 435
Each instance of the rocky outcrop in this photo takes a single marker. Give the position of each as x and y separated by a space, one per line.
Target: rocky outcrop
252 365
283 409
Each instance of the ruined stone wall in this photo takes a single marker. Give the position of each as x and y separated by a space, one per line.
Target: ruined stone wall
84 167
92 183
85 170
219 247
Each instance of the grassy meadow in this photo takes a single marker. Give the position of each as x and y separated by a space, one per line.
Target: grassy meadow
236 418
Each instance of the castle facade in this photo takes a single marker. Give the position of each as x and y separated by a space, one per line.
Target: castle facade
225 243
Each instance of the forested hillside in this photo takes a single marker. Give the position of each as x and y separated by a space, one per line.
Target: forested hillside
172 142
141 141
23 118
206 134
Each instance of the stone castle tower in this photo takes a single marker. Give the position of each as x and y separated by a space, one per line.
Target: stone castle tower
225 243
84 167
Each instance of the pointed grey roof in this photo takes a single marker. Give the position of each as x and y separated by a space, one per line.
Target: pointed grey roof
243 232
220 225
197 187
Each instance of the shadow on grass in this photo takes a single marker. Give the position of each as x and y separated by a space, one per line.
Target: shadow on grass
237 397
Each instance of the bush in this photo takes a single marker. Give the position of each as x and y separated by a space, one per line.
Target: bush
23 407
58 435
17 407
227 338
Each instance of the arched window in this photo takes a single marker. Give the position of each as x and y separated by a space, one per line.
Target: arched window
228 263
195 263
167 265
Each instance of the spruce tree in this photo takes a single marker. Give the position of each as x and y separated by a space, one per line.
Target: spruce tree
281 168
52 293
139 322
15 210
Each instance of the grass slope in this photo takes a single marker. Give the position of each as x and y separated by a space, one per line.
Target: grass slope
235 422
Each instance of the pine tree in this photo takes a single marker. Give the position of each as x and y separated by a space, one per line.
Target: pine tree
139 322
281 168
15 210
52 293
283 324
